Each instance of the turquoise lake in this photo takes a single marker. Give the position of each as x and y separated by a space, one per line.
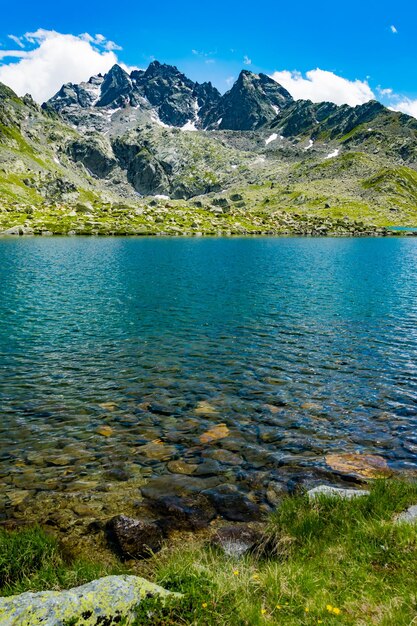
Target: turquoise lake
301 347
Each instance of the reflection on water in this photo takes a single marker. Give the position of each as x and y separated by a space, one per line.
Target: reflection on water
116 355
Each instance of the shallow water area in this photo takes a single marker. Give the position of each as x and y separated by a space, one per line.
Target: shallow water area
206 361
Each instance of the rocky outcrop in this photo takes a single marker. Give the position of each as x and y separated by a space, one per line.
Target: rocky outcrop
94 153
110 601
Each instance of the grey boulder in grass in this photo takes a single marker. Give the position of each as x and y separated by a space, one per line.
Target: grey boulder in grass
336 492
110 600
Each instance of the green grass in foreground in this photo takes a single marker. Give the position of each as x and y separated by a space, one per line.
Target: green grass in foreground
329 562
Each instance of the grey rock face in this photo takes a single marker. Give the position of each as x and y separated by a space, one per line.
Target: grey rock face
95 155
147 175
135 538
176 97
109 600
336 492
83 95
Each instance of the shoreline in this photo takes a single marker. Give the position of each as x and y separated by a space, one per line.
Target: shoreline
272 235
319 557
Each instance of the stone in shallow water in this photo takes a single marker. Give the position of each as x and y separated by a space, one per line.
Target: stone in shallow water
336 492
363 465
408 517
156 450
109 600
16 497
181 467
205 408
108 406
184 512
208 468
176 484
59 459
232 504
104 431
217 432
235 541
135 538
226 457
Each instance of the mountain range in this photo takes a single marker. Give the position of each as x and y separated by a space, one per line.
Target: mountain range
154 152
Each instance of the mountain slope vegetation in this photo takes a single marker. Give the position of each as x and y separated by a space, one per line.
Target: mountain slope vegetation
152 152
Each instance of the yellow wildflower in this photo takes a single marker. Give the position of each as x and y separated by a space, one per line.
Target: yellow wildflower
204 605
336 611
263 611
236 572
279 606
329 607
306 609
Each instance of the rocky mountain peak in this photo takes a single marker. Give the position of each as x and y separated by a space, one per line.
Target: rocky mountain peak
254 100
116 85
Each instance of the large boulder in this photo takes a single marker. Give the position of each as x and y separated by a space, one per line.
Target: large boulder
108 601
18 230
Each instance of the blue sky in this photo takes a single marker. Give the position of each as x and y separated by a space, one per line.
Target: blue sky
212 41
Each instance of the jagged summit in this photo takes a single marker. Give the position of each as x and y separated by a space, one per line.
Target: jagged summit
254 100
176 100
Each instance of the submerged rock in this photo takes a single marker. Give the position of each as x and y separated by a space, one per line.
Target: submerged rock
184 512
362 465
233 504
134 538
107 601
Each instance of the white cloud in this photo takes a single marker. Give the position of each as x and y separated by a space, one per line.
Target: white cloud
247 60
320 85
17 40
398 102
55 59
393 29
100 41
405 105
229 81
10 54
385 93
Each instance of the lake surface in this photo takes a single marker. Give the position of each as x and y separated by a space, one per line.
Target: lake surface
301 347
